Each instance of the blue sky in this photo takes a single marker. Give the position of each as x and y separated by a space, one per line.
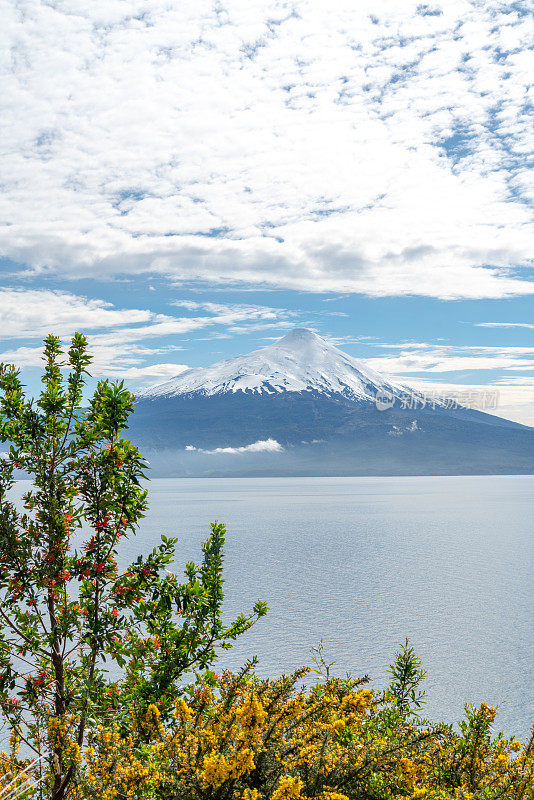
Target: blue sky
187 182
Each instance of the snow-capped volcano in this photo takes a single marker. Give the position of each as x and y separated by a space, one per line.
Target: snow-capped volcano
299 362
300 406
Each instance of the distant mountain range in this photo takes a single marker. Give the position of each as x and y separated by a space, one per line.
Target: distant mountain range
303 407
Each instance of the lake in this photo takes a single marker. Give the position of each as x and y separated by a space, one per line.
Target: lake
366 562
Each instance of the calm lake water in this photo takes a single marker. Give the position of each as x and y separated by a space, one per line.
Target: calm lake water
365 562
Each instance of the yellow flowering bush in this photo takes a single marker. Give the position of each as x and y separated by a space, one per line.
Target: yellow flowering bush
19 777
240 736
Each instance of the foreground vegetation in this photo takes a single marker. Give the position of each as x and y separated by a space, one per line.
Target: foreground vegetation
106 682
239 736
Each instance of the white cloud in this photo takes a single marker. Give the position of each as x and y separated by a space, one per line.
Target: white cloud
262 446
523 380
127 363
339 147
117 337
418 359
515 398
148 374
423 357
29 313
504 325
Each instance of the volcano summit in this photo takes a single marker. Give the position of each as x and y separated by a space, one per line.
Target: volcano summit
299 362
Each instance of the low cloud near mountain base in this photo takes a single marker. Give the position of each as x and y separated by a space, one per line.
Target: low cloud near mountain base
262 446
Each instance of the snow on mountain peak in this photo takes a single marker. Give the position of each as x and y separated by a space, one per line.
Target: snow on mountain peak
299 361
299 336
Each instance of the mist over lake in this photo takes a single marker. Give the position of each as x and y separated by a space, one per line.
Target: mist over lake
366 562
